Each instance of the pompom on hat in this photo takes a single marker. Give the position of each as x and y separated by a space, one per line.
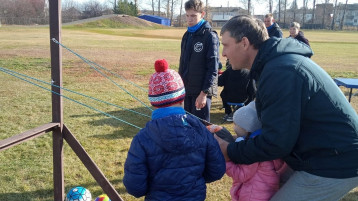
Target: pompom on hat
166 87
246 118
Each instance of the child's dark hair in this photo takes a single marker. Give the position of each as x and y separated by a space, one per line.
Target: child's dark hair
196 5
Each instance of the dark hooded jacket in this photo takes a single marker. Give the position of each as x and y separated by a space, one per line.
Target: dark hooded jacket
237 88
199 61
306 119
301 37
274 30
172 158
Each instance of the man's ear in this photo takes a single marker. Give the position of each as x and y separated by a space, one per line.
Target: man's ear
203 14
245 41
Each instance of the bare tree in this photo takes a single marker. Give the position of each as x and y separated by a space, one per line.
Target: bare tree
333 15
279 11
152 7
168 8
180 14
171 12
136 5
248 7
159 14
313 11
304 12
206 10
324 13
70 11
285 12
294 8
270 2
92 8
344 13
23 11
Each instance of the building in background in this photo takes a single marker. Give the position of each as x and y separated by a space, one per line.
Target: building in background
325 16
218 16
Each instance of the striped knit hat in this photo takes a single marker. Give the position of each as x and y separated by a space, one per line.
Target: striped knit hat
166 87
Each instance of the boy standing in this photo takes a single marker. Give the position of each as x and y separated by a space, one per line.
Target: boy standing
174 155
199 61
297 34
272 27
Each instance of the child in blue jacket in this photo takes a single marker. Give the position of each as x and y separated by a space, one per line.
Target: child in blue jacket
174 156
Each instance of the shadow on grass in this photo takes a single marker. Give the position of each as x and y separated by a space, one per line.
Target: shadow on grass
124 130
47 194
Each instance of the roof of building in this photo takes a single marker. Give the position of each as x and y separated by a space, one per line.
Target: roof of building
221 17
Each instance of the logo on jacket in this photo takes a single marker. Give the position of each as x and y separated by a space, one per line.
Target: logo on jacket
198 47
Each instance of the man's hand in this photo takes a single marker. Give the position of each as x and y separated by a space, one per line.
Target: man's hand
223 146
200 100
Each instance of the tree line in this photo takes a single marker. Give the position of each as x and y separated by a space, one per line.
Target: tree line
36 11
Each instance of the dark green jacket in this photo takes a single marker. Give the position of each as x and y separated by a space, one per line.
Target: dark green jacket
306 119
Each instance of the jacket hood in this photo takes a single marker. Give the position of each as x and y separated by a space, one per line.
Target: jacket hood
275 47
177 133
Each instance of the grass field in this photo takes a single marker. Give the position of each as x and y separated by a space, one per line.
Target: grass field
26 169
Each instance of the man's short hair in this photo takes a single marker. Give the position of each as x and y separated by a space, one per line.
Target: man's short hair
246 26
196 5
269 15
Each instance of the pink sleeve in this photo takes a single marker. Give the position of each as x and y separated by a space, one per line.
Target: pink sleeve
241 172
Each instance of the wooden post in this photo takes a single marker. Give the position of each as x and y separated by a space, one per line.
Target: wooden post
57 108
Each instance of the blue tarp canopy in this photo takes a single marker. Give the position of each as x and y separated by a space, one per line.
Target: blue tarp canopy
156 19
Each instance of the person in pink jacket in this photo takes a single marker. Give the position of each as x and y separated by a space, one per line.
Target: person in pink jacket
257 181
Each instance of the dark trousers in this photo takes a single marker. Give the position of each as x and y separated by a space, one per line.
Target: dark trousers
204 113
227 107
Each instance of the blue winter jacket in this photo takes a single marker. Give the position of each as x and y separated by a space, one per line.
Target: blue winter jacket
172 158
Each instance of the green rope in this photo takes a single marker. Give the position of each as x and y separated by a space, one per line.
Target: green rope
96 99
90 107
90 63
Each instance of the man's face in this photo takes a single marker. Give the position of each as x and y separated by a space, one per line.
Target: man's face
268 21
193 17
233 51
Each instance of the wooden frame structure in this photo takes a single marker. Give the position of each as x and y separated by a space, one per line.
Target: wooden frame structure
59 130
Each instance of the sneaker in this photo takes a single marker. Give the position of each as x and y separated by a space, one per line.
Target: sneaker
225 116
229 118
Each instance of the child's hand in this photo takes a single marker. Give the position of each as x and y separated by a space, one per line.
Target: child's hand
213 128
221 132
223 146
